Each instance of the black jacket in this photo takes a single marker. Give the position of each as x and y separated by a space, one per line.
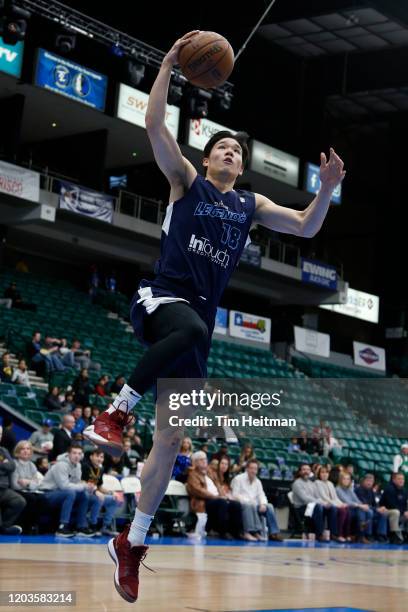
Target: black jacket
7 466
62 442
394 498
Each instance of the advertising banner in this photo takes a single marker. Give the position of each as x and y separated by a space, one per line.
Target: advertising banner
311 341
359 304
250 327
19 182
86 202
221 321
72 80
132 105
201 130
369 356
312 182
11 58
274 163
318 273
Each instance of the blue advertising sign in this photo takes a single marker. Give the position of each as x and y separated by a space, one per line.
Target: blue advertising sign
251 255
221 321
319 274
312 182
72 80
11 58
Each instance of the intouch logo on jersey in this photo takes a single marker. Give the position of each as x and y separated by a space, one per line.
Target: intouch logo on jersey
202 246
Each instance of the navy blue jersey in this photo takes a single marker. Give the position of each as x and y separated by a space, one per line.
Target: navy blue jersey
203 236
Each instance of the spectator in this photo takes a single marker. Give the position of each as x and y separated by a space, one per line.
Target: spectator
20 374
68 404
63 437
42 465
306 444
79 421
82 357
332 447
381 515
11 293
293 446
42 440
11 503
8 438
137 445
395 497
248 490
95 412
52 400
82 388
221 452
87 415
360 513
131 454
326 492
320 434
65 353
42 358
92 472
101 387
247 454
117 384
6 371
51 349
183 461
349 469
26 479
206 499
117 466
400 463
306 501
63 487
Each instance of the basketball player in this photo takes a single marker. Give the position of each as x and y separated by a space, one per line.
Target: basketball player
203 235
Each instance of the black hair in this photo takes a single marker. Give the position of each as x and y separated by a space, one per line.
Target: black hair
240 137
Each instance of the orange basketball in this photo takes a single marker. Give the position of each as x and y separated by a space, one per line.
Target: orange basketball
207 60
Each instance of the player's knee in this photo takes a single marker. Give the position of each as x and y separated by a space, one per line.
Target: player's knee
170 437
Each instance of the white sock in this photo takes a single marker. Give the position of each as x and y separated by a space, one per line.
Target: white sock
139 528
125 401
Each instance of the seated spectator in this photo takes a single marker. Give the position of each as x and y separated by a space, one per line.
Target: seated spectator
332 447
6 370
42 440
11 502
101 387
221 452
315 468
349 469
92 472
87 415
137 446
206 499
335 472
26 479
62 437
8 437
293 446
42 465
64 488
41 358
325 491
20 374
320 434
395 497
95 412
400 462
65 353
131 454
183 460
381 515
306 501
79 421
82 357
11 293
307 444
248 490
247 454
360 513
52 400
82 388
117 384
68 404
117 466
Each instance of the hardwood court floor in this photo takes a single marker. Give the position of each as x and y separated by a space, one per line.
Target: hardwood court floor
215 578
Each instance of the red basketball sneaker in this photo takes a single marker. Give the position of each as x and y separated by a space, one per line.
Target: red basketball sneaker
127 560
106 431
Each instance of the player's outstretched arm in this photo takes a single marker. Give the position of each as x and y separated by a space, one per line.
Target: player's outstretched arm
177 169
305 223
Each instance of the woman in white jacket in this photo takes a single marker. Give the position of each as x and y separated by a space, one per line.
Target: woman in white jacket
26 479
327 493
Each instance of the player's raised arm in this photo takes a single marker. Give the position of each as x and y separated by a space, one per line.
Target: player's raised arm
305 223
177 169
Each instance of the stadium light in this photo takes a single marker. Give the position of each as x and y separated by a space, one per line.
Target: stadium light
14 22
198 103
